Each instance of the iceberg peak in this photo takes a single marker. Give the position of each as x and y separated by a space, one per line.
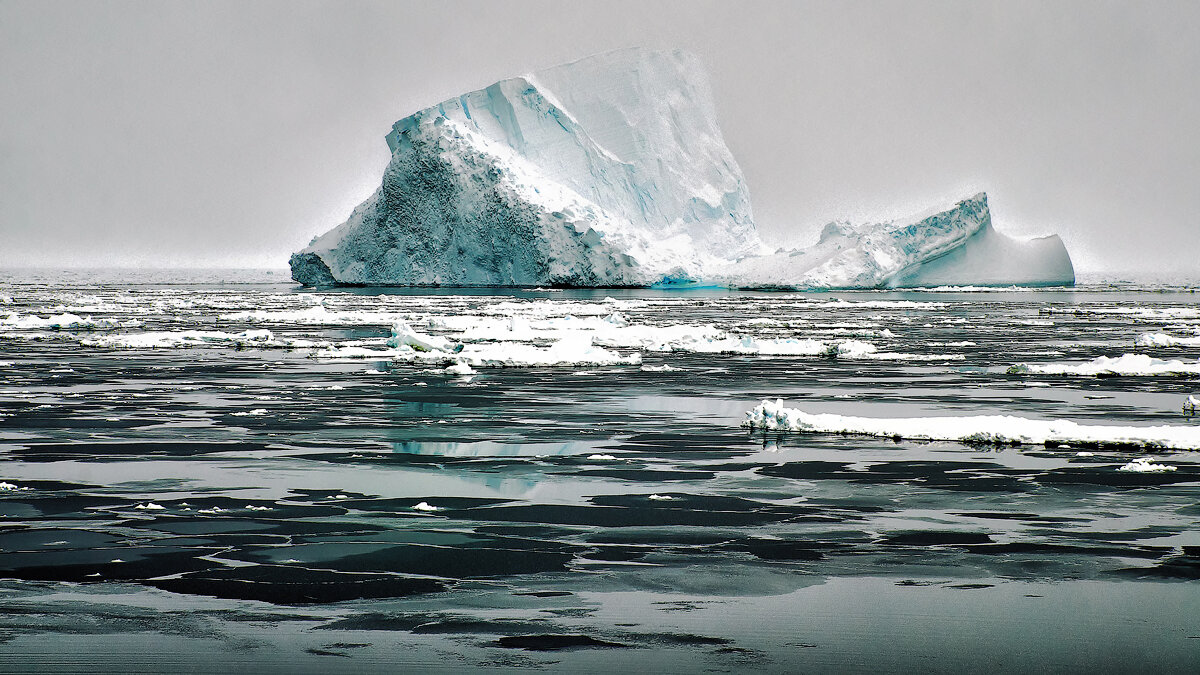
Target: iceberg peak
607 171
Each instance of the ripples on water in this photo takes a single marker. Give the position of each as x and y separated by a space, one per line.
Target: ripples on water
232 499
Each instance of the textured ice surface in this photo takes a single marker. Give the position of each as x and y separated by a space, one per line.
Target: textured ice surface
772 415
612 171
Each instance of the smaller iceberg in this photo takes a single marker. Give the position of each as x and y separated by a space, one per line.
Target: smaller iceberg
952 246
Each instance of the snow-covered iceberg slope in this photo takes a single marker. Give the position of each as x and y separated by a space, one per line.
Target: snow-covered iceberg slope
612 171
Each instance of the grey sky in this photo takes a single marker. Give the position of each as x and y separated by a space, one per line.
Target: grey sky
230 133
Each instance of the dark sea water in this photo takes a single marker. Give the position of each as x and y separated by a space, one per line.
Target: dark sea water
182 491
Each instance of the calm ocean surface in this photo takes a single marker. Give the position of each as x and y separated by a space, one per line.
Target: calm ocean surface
215 476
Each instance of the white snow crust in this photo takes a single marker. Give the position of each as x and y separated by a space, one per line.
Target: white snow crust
772 415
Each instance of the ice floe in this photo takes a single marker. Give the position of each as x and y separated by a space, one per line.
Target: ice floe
403 335
1145 465
407 345
182 338
1105 366
460 368
63 322
772 415
317 315
1167 340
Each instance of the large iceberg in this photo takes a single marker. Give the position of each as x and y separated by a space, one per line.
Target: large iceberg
612 171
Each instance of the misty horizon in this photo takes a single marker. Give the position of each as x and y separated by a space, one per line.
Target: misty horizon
140 135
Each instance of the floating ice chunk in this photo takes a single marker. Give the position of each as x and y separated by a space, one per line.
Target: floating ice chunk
403 335
426 506
213 511
664 368
256 412
63 322
1165 340
185 338
318 315
572 350
1144 465
11 487
150 506
602 458
661 498
252 507
1125 365
882 304
857 349
460 368
772 415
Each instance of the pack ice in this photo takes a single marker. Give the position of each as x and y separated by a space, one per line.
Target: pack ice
612 171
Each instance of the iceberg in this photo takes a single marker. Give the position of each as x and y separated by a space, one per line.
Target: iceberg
953 246
609 171
612 171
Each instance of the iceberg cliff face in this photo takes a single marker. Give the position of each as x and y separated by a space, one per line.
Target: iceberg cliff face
608 171
612 171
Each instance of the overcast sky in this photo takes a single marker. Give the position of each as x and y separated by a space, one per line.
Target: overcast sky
231 133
